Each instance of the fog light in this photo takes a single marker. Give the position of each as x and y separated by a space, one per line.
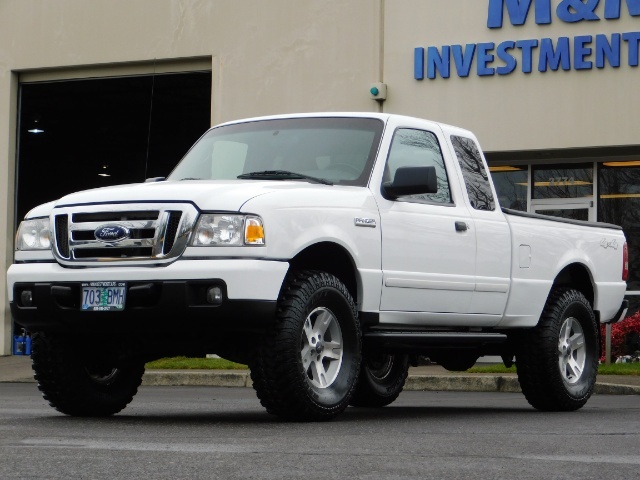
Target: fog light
26 298
214 295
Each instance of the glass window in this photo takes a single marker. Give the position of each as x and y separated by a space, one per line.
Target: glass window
474 173
619 203
418 148
511 186
562 181
340 150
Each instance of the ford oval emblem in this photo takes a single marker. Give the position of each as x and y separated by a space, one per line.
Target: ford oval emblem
111 233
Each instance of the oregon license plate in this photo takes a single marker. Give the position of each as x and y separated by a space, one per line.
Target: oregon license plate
103 296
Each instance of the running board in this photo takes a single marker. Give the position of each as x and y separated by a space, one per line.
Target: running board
419 342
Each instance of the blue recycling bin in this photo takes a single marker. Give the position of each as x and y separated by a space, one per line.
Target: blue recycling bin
22 344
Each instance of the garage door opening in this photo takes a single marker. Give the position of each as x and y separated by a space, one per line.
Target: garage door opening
81 134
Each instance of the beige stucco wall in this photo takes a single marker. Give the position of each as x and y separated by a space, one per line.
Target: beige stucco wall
517 111
277 56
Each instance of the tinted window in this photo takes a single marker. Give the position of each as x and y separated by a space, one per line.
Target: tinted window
619 203
474 173
511 186
418 148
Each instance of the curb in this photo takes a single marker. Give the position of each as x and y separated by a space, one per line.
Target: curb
453 383
197 378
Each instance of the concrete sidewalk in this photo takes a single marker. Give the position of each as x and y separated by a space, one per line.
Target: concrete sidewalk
426 378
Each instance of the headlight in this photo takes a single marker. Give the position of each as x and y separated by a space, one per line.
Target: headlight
216 230
34 235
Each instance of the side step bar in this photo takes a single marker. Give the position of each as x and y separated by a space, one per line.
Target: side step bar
418 342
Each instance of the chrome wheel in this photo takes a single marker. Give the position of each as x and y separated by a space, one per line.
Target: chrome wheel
321 347
572 352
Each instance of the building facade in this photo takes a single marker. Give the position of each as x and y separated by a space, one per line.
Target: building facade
548 86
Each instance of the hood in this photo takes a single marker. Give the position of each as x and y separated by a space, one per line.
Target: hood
221 195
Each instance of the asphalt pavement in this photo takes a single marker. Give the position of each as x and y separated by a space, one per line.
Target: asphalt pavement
17 369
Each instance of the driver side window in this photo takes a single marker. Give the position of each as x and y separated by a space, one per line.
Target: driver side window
418 148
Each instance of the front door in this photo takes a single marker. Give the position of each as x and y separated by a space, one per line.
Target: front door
428 241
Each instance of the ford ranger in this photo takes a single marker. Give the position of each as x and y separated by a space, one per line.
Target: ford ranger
326 251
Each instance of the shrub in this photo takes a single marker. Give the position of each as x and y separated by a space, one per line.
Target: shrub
625 337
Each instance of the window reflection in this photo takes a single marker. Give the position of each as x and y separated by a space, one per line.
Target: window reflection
562 181
511 186
619 203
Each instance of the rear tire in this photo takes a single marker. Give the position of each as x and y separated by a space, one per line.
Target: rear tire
382 379
307 366
557 361
82 384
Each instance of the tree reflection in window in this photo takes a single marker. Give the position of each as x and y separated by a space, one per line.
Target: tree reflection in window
475 175
418 148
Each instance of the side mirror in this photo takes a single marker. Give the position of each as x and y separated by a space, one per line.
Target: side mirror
411 181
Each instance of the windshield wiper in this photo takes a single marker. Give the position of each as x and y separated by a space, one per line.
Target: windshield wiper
282 175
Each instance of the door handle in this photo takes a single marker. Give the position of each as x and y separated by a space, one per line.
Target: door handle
461 226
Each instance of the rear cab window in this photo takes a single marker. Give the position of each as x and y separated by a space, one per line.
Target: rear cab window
475 176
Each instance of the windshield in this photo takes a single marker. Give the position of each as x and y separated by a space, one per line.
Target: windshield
335 150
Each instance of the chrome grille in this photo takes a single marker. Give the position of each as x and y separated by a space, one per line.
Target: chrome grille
154 232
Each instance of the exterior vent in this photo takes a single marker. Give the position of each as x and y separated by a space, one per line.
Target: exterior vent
172 230
62 235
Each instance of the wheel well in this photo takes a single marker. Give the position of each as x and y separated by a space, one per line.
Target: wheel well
576 276
330 258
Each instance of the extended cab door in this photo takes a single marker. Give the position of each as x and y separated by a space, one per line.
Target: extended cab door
493 236
428 240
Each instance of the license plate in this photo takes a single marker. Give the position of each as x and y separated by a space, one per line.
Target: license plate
103 296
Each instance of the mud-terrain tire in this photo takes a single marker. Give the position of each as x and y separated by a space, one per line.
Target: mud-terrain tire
307 366
382 378
557 361
75 384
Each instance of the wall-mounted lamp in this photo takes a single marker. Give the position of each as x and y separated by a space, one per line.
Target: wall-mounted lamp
378 91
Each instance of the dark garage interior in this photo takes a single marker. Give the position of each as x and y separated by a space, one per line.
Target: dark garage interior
81 134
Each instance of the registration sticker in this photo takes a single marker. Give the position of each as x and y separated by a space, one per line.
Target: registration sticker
103 296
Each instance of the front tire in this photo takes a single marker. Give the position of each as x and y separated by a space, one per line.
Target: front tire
80 383
557 362
382 378
307 367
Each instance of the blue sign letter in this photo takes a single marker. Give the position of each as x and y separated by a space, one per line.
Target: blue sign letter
527 47
580 51
484 58
552 59
612 8
506 57
609 50
437 63
418 63
463 60
518 11
633 39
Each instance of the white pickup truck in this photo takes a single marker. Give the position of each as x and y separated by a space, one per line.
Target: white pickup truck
327 251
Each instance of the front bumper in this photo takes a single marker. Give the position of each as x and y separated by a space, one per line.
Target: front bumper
167 299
